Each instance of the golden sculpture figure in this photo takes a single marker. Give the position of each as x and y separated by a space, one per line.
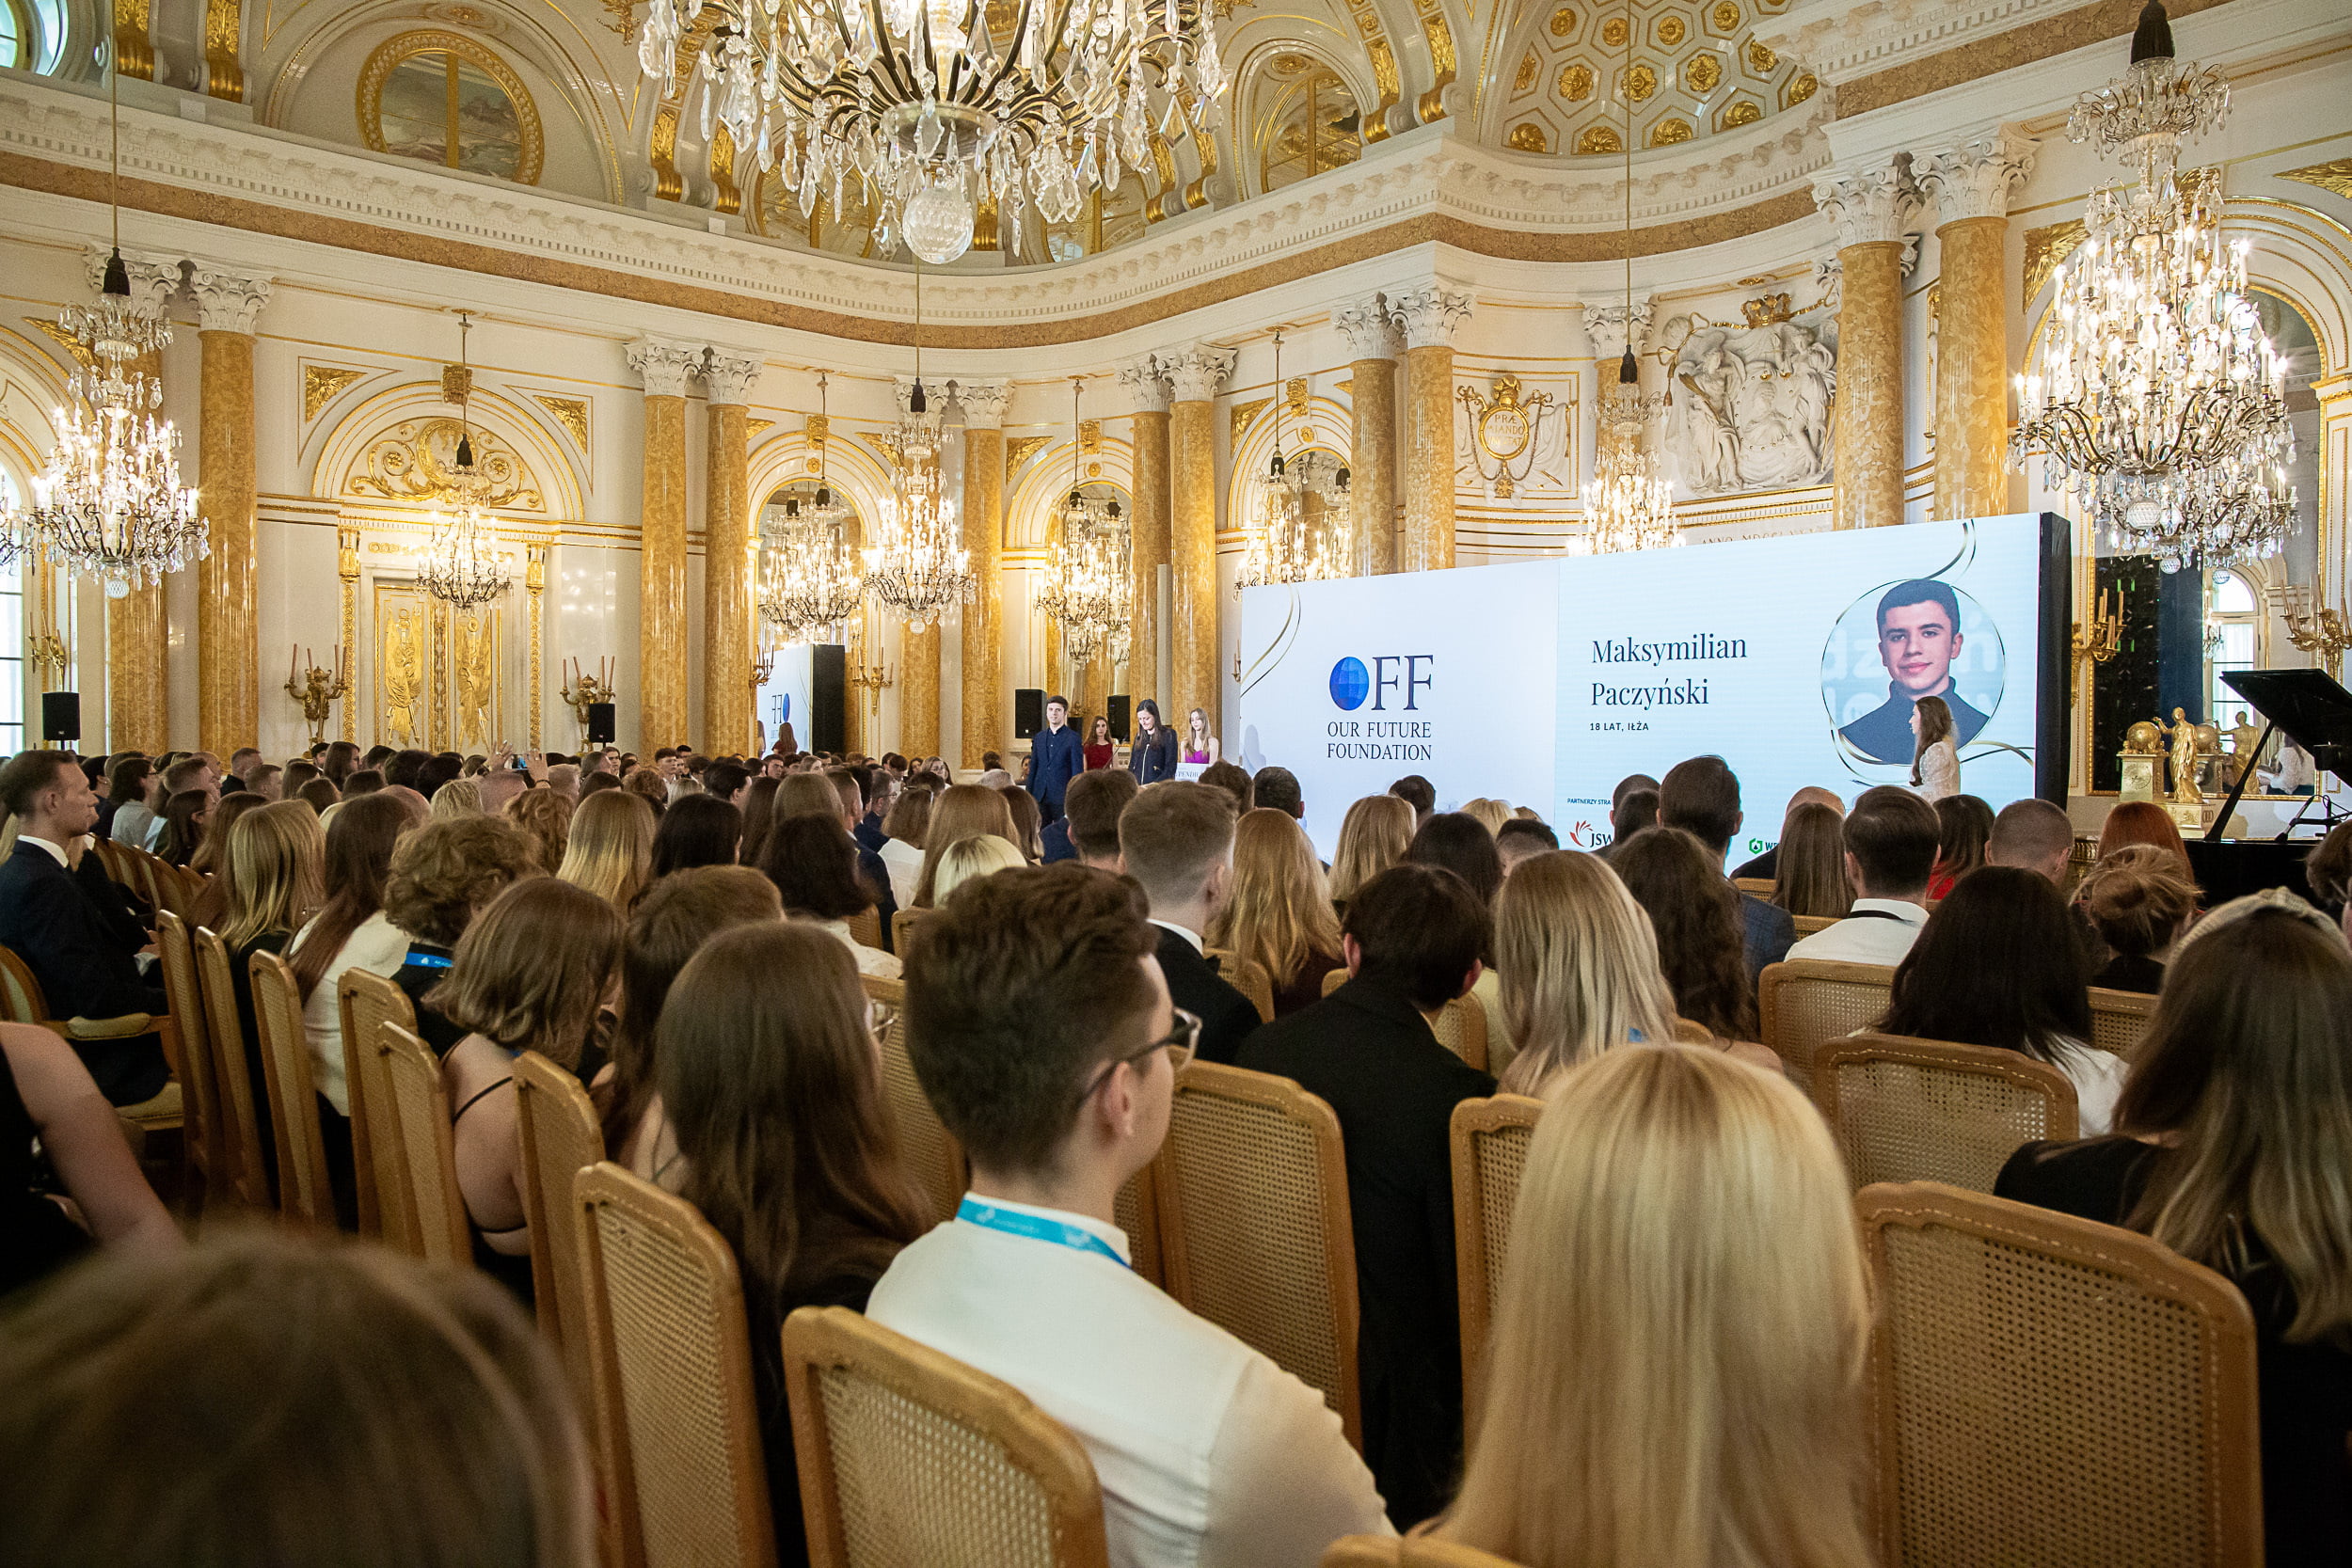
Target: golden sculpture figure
317 690
403 677
2182 735
475 680
2144 739
581 691
2243 739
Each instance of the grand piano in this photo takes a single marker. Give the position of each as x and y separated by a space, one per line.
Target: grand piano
2312 710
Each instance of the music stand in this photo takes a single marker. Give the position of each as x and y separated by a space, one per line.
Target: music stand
2310 708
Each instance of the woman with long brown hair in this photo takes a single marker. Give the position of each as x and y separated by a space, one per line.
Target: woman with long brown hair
1809 871
905 832
1028 822
1277 909
962 811
1963 835
1696 914
1100 750
350 930
211 858
1935 757
609 851
1373 837
760 801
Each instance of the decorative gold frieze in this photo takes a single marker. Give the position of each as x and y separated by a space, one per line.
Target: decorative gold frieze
64 339
1769 310
1020 448
322 384
571 413
1528 136
417 461
1244 415
2334 176
2045 248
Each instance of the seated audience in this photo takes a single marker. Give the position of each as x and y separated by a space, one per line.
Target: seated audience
2142 822
882 792
1890 840
240 1403
812 863
1462 844
456 799
275 878
1632 784
1702 797
1027 821
1228 777
185 815
902 847
188 775
1418 793
1678 1213
771 1088
1636 810
1090 812
1522 838
533 972
544 817
1488 813
758 808
1373 836
130 781
1580 973
697 830
1964 830
1277 911
981 855
2140 906
2230 1150
609 851
1277 789
362 781
1998 965
1412 937
1042 1031
1177 842
297 775
650 785
1696 914
318 795
443 874
2033 835
960 812
1809 863
212 856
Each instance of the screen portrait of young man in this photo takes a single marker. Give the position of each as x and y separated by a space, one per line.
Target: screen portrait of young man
1918 638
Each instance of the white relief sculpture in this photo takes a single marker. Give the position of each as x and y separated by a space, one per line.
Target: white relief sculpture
1751 405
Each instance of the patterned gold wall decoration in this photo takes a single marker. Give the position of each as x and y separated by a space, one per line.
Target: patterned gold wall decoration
1295 397
1800 87
1613 32
134 52
1745 112
571 413
1528 136
1439 34
475 682
1244 415
2334 176
404 640
1599 138
1576 83
1701 72
347 574
727 198
1563 22
1671 31
417 461
753 427
1725 16
1641 81
1529 66
1090 436
1762 60
321 384
1666 133
224 24
1020 448
2045 249
666 182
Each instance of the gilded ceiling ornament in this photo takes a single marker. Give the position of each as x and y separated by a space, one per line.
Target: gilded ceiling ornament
2334 176
1671 31
2045 248
456 383
1669 132
571 413
1745 112
1020 448
1599 138
1641 81
1576 83
1613 32
1243 415
1526 77
1528 136
321 384
1762 60
1725 16
65 340
1563 22
1090 436
1803 87
753 427
417 461
1769 310
1702 73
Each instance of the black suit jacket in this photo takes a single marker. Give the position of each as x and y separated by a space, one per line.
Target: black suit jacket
1368 1052
1153 759
1226 1016
1884 732
1055 757
76 935
876 876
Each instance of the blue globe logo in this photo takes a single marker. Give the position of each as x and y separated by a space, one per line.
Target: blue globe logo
1351 683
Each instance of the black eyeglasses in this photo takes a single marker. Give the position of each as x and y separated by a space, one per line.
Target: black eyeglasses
1181 1043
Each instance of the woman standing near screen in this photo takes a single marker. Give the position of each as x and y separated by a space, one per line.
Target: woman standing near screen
1101 751
1199 745
1936 762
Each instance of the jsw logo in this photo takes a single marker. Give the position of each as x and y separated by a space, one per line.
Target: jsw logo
1390 676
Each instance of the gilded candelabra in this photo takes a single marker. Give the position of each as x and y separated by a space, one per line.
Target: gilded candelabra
872 680
51 656
315 689
581 691
2101 638
2322 633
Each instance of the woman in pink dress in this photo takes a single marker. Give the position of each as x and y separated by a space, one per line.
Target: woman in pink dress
1199 745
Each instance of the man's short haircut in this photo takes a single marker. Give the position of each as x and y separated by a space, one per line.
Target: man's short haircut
1628 785
1921 591
27 775
1018 989
1636 810
1702 797
403 766
377 757
183 775
1891 833
1539 834
1416 792
2028 831
1418 928
1173 835
362 781
1277 789
1057 697
1094 805
723 779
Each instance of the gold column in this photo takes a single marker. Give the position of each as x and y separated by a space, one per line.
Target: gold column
661 643
1148 529
1873 211
1371 338
727 632
347 573
227 631
535 583
138 626
1193 374
983 404
918 693
1971 184
1428 316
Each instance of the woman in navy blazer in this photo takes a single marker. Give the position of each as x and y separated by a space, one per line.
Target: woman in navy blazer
1153 758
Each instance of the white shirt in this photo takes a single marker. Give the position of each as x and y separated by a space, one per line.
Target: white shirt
1210 1455
2098 1079
377 946
870 960
1871 939
56 851
131 824
1184 931
904 863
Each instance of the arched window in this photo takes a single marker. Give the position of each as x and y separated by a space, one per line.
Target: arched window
445 97
2232 637
17 35
1306 119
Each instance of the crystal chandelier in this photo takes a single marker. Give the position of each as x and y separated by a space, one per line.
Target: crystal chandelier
1281 542
1085 581
2158 402
936 109
109 503
461 566
918 567
1632 506
806 581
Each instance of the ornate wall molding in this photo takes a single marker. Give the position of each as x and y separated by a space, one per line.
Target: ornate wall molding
226 299
1872 205
1194 371
1429 316
663 365
1369 331
730 374
415 460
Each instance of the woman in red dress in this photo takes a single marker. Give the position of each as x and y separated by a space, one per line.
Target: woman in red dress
1100 749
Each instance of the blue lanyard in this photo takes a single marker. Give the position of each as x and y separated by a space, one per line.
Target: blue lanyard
425 960
1037 1228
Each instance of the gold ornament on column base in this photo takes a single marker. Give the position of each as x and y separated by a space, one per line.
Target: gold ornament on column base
316 690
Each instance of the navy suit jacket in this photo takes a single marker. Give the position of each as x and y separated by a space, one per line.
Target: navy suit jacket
1055 837
1153 759
1766 932
1055 757
76 935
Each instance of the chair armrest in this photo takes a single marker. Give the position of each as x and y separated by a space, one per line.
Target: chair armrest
124 1027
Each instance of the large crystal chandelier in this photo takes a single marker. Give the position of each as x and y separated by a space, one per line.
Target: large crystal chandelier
806 583
2157 402
1282 541
917 566
461 566
1086 580
938 110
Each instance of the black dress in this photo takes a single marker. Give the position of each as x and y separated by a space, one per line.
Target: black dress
36 1237
2305 1389
775 1411
2131 972
241 983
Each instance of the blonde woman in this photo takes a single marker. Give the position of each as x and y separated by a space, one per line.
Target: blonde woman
1373 837
968 860
1277 909
1199 745
961 812
1579 971
1674 1376
455 799
609 851
1489 815
275 879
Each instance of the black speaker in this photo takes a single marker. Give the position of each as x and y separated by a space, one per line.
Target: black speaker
599 723
61 716
1028 711
1121 714
829 698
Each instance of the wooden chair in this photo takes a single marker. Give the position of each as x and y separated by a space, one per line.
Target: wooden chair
2120 1018
1333 979
1808 924
909 1456
425 1138
22 1001
1136 1212
367 1001
902 924
672 1358
2014 1348
560 1137
306 1197
110 856
1807 1003
932 1154
1255 1233
1913 1110
866 927
1489 1139
1246 975
241 1123
199 1075
1760 886
1460 1026
1389 1551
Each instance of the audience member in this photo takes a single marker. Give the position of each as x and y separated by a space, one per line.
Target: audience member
442 876
129 783
263 778
1488 813
967 859
362 781
1674 1373
1522 838
545 818
496 787
1809 863
563 779
318 795
1766 867
1889 848
1964 834
2142 822
1695 915
1277 910
1373 836
961 812
211 860
697 830
436 770
458 799
339 762
1580 974
727 780
609 851
903 849
1412 938
403 768
297 774
1461 843
1702 797
812 863
1026 823
275 878
2231 1153
1277 789
832 795
2140 906
2328 871
185 815
758 808
1228 777
881 792
1177 842
1635 811
1041 1030
2033 835
1090 812
1418 793
650 784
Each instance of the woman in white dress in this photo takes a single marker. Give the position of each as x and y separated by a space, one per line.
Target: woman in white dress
1936 762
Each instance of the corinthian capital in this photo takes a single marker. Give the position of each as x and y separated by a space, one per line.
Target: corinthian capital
983 401
1874 205
1141 380
153 277
1195 372
663 365
1613 328
1976 179
731 374
1370 331
1429 315
227 300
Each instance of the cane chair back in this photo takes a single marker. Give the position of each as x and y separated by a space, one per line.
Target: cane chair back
1489 1140
368 1002
1389 1551
1760 886
560 1137
1460 1026
174 888
305 1194
2119 1019
866 927
425 1138
1137 1212
908 1456
1807 1003
1255 1232
245 1172
672 1365
110 856
932 1155
1913 1110
198 1066
21 993
1246 975
2015 1349
1807 925
902 924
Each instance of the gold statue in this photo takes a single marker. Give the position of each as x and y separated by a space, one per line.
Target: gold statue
401 674
475 680
2243 740
318 690
2183 739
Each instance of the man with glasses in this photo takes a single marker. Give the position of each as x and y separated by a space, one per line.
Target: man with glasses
1043 1032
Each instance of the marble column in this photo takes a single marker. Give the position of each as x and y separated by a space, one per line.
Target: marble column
1149 531
1372 345
1971 184
727 378
1194 373
662 719
918 692
983 404
1428 316
1873 210
138 685
227 631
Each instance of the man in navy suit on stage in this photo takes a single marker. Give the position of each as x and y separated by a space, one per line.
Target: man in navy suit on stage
1055 757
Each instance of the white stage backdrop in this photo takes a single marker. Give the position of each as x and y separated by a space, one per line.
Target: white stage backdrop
787 696
1795 658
